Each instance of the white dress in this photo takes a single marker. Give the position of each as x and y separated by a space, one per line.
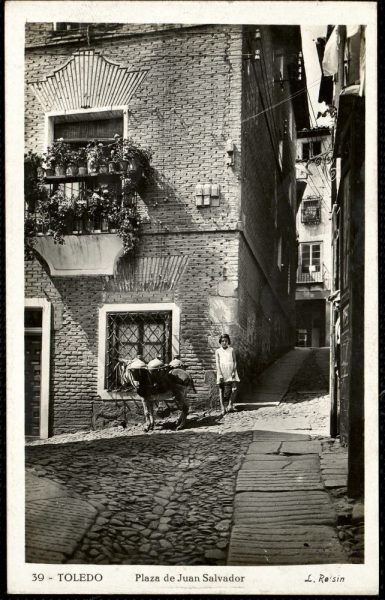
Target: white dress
226 364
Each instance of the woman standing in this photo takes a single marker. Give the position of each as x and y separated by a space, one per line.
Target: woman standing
227 375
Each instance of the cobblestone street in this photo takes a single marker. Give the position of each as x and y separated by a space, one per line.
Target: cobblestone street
162 499
169 497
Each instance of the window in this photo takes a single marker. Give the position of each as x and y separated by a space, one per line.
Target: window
301 337
316 148
78 129
78 133
126 330
70 26
311 258
311 211
310 149
305 150
131 334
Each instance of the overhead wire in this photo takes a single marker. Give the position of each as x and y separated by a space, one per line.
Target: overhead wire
264 81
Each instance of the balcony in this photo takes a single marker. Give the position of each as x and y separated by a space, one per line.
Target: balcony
313 276
80 225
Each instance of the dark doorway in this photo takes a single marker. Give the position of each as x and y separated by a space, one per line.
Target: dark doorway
310 316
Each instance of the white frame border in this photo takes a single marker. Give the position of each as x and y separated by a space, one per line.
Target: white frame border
45 305
136 307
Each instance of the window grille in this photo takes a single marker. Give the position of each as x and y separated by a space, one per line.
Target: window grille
311 211
130 334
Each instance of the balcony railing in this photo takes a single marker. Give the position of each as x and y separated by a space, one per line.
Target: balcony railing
312 277
321 276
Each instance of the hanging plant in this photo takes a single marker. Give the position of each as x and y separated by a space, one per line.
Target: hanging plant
110 206
134 159
128 228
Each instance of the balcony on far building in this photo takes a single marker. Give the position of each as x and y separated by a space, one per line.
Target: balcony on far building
313 274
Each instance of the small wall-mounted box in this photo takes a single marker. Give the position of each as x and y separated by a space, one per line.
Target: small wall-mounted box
207 194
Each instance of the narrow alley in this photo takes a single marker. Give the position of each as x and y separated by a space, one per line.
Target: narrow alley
263 485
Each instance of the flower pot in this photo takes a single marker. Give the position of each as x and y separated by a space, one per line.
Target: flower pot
60 171
134 169
111 167
49 172
104 224
83 170
123 164
72 170
40 172
77 225
103 168
92 167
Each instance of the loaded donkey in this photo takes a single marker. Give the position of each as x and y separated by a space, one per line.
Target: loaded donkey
155 382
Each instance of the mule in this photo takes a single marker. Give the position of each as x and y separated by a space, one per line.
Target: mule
154 385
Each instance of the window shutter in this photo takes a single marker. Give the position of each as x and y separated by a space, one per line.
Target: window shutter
101 129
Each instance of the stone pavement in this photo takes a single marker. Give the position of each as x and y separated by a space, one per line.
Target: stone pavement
235 490
274 381
282 512
56 520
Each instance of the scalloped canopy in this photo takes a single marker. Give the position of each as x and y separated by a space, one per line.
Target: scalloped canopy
87 80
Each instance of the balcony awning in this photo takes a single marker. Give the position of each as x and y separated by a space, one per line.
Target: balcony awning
87 80
347 99
301 186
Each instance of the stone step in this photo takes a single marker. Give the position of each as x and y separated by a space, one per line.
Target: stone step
265 447
262 480
259 436
310 463
298 447
307 508
284 545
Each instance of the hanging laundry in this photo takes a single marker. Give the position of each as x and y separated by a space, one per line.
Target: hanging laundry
330 60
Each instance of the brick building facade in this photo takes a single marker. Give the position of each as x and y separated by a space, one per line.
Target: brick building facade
216 105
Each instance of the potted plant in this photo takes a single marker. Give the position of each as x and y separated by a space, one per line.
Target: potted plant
48 164
60 154
132 158
73 164
80 214
95 156
94 202
82 161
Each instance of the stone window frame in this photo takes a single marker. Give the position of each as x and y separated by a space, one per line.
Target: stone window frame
102 346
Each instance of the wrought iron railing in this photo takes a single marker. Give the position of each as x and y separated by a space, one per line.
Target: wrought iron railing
312 277
321 276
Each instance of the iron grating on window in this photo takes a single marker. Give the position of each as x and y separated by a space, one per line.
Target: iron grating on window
130 334
311 211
